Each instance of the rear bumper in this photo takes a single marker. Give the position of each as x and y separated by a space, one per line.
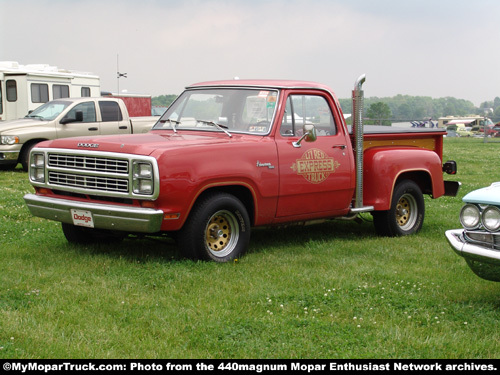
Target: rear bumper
483 261
105 216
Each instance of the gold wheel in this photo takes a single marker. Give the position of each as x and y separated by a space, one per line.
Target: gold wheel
406 211
221 233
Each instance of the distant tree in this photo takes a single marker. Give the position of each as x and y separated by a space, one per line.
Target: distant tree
406 108
496 115
419 112
346 105
496 103
404 112
163 100
450 109
379 114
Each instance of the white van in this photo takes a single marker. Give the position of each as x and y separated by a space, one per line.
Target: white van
24 88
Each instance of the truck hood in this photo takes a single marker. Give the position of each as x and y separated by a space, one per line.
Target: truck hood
141 144
487 195
19 124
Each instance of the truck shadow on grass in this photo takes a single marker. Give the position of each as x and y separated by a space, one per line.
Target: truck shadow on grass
134 249
298 234
263 240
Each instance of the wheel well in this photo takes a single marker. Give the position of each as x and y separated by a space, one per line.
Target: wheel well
240 192
30 143
421 178
24 156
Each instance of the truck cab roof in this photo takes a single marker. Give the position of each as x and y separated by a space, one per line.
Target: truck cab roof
284 84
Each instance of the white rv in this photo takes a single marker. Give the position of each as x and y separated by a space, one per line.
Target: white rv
23 88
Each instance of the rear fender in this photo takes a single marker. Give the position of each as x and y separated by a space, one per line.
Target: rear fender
384 166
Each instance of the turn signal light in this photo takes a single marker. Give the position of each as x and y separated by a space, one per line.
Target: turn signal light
171 216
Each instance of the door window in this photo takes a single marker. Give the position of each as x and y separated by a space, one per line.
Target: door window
88 110
110 111
307 109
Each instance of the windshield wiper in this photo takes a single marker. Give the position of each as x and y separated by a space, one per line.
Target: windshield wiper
34 116
172 123
218 126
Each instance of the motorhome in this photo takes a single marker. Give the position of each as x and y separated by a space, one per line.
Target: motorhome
467 121
23 88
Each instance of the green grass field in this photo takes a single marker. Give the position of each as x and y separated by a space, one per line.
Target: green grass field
333 290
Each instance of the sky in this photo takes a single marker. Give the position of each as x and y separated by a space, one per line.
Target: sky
435 48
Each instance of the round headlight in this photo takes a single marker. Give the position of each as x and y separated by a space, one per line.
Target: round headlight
491 218
470 216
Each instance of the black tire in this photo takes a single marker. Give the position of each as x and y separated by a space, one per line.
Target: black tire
8 167
218 229
406 215
82 235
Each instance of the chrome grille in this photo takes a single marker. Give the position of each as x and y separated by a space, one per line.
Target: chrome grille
483 238
97 174
88 163
101 183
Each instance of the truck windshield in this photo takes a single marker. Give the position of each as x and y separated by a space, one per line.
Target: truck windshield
49 111
225 110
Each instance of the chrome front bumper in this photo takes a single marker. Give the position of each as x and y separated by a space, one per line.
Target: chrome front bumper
483 261
9 156
105 216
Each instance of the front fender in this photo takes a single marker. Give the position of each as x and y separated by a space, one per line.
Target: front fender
384 165
40 133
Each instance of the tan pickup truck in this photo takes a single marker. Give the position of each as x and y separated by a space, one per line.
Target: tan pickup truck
64 118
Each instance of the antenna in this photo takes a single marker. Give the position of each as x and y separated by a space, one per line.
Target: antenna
118 74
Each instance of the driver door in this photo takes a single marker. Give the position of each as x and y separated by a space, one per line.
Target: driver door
88 126
315 177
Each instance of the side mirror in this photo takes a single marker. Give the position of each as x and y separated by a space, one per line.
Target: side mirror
309 135
78 118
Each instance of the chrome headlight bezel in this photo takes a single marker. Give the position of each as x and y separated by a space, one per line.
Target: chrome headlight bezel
490 218
142 177
470 216
37 167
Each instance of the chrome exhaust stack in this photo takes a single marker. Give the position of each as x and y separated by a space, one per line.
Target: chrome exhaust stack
357 128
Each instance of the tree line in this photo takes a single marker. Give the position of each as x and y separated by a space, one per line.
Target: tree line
402 108
163 100
406 108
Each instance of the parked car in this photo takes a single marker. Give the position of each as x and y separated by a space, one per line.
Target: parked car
464 131
478 130
479 239
71 117
459 130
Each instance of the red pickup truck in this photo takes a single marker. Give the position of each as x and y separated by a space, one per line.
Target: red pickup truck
231 155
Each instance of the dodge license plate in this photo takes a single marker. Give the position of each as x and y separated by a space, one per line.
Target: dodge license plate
82 218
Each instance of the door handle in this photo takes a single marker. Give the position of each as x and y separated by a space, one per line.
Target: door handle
93 129
342 147
122 127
